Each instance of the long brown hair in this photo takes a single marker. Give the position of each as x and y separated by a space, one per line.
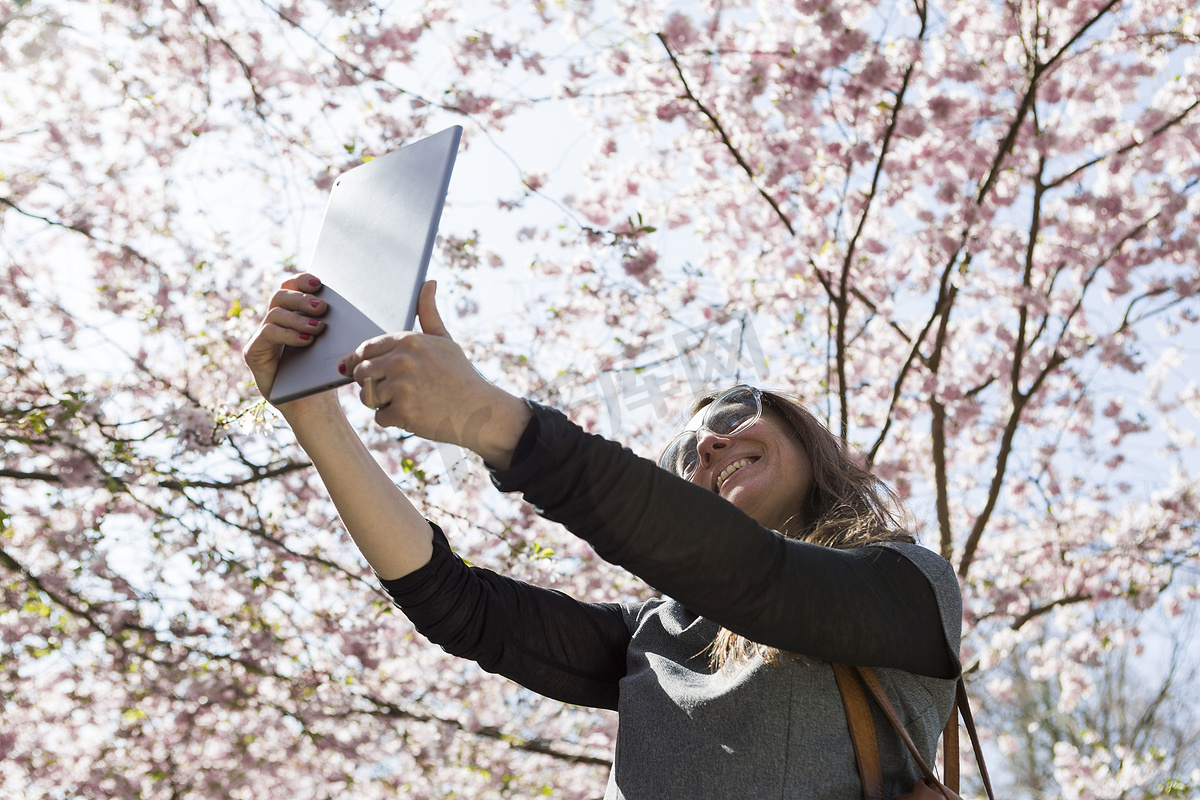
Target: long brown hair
846 507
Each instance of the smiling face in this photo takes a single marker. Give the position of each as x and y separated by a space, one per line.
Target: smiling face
763 469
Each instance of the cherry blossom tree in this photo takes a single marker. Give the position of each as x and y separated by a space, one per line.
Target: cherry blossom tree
966 232
1144 705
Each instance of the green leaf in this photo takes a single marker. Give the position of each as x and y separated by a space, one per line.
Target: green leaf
36 420
34 605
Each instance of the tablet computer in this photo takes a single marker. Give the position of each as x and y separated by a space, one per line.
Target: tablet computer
371 255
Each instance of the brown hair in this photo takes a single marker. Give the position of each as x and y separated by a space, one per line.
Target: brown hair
846 507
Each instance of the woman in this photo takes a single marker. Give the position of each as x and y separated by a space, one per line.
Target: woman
777 555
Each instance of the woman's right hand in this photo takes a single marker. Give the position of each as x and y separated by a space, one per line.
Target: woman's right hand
292 318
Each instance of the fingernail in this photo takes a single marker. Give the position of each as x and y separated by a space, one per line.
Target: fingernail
315 303
312 323
306 336
342 367
313 282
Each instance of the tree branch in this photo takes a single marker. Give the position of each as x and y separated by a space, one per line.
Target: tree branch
44 477
840 301
1132 145
1034 613
374 76
1027 100
946 293
173 484
257 474
247 72
716 123
1035 224
392 711
938 437
77 228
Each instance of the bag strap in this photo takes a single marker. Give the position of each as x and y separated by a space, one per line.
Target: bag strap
950 750
851 681
862 732
964 708
868 677
865 740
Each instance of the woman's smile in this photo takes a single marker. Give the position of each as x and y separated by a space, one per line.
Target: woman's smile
728 472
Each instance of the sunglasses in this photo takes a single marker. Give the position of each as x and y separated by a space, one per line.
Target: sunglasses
731 413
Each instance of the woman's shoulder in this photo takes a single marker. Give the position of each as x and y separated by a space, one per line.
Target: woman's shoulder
664 616
935 567
942 579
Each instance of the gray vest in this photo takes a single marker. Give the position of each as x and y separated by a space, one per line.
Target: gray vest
759 731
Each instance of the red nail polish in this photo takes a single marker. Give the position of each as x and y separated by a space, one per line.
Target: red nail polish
312 323
306 336
313 282
315 303
342 368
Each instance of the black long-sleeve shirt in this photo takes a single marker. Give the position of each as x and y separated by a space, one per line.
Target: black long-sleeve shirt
869 606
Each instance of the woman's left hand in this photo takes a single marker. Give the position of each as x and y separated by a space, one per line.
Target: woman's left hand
424 383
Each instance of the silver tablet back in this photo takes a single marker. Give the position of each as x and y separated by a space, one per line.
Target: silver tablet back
372 254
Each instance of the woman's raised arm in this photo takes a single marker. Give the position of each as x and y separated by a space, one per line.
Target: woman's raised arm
391 533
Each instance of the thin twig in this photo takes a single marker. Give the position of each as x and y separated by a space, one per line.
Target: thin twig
716 123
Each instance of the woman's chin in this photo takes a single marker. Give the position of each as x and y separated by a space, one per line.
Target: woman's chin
747 499
743 496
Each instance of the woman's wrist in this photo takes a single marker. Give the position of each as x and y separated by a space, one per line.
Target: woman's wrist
314 408
500 423
501 432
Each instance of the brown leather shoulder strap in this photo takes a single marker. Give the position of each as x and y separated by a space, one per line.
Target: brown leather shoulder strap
851 682
862 731
876 689
964 708
950 754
